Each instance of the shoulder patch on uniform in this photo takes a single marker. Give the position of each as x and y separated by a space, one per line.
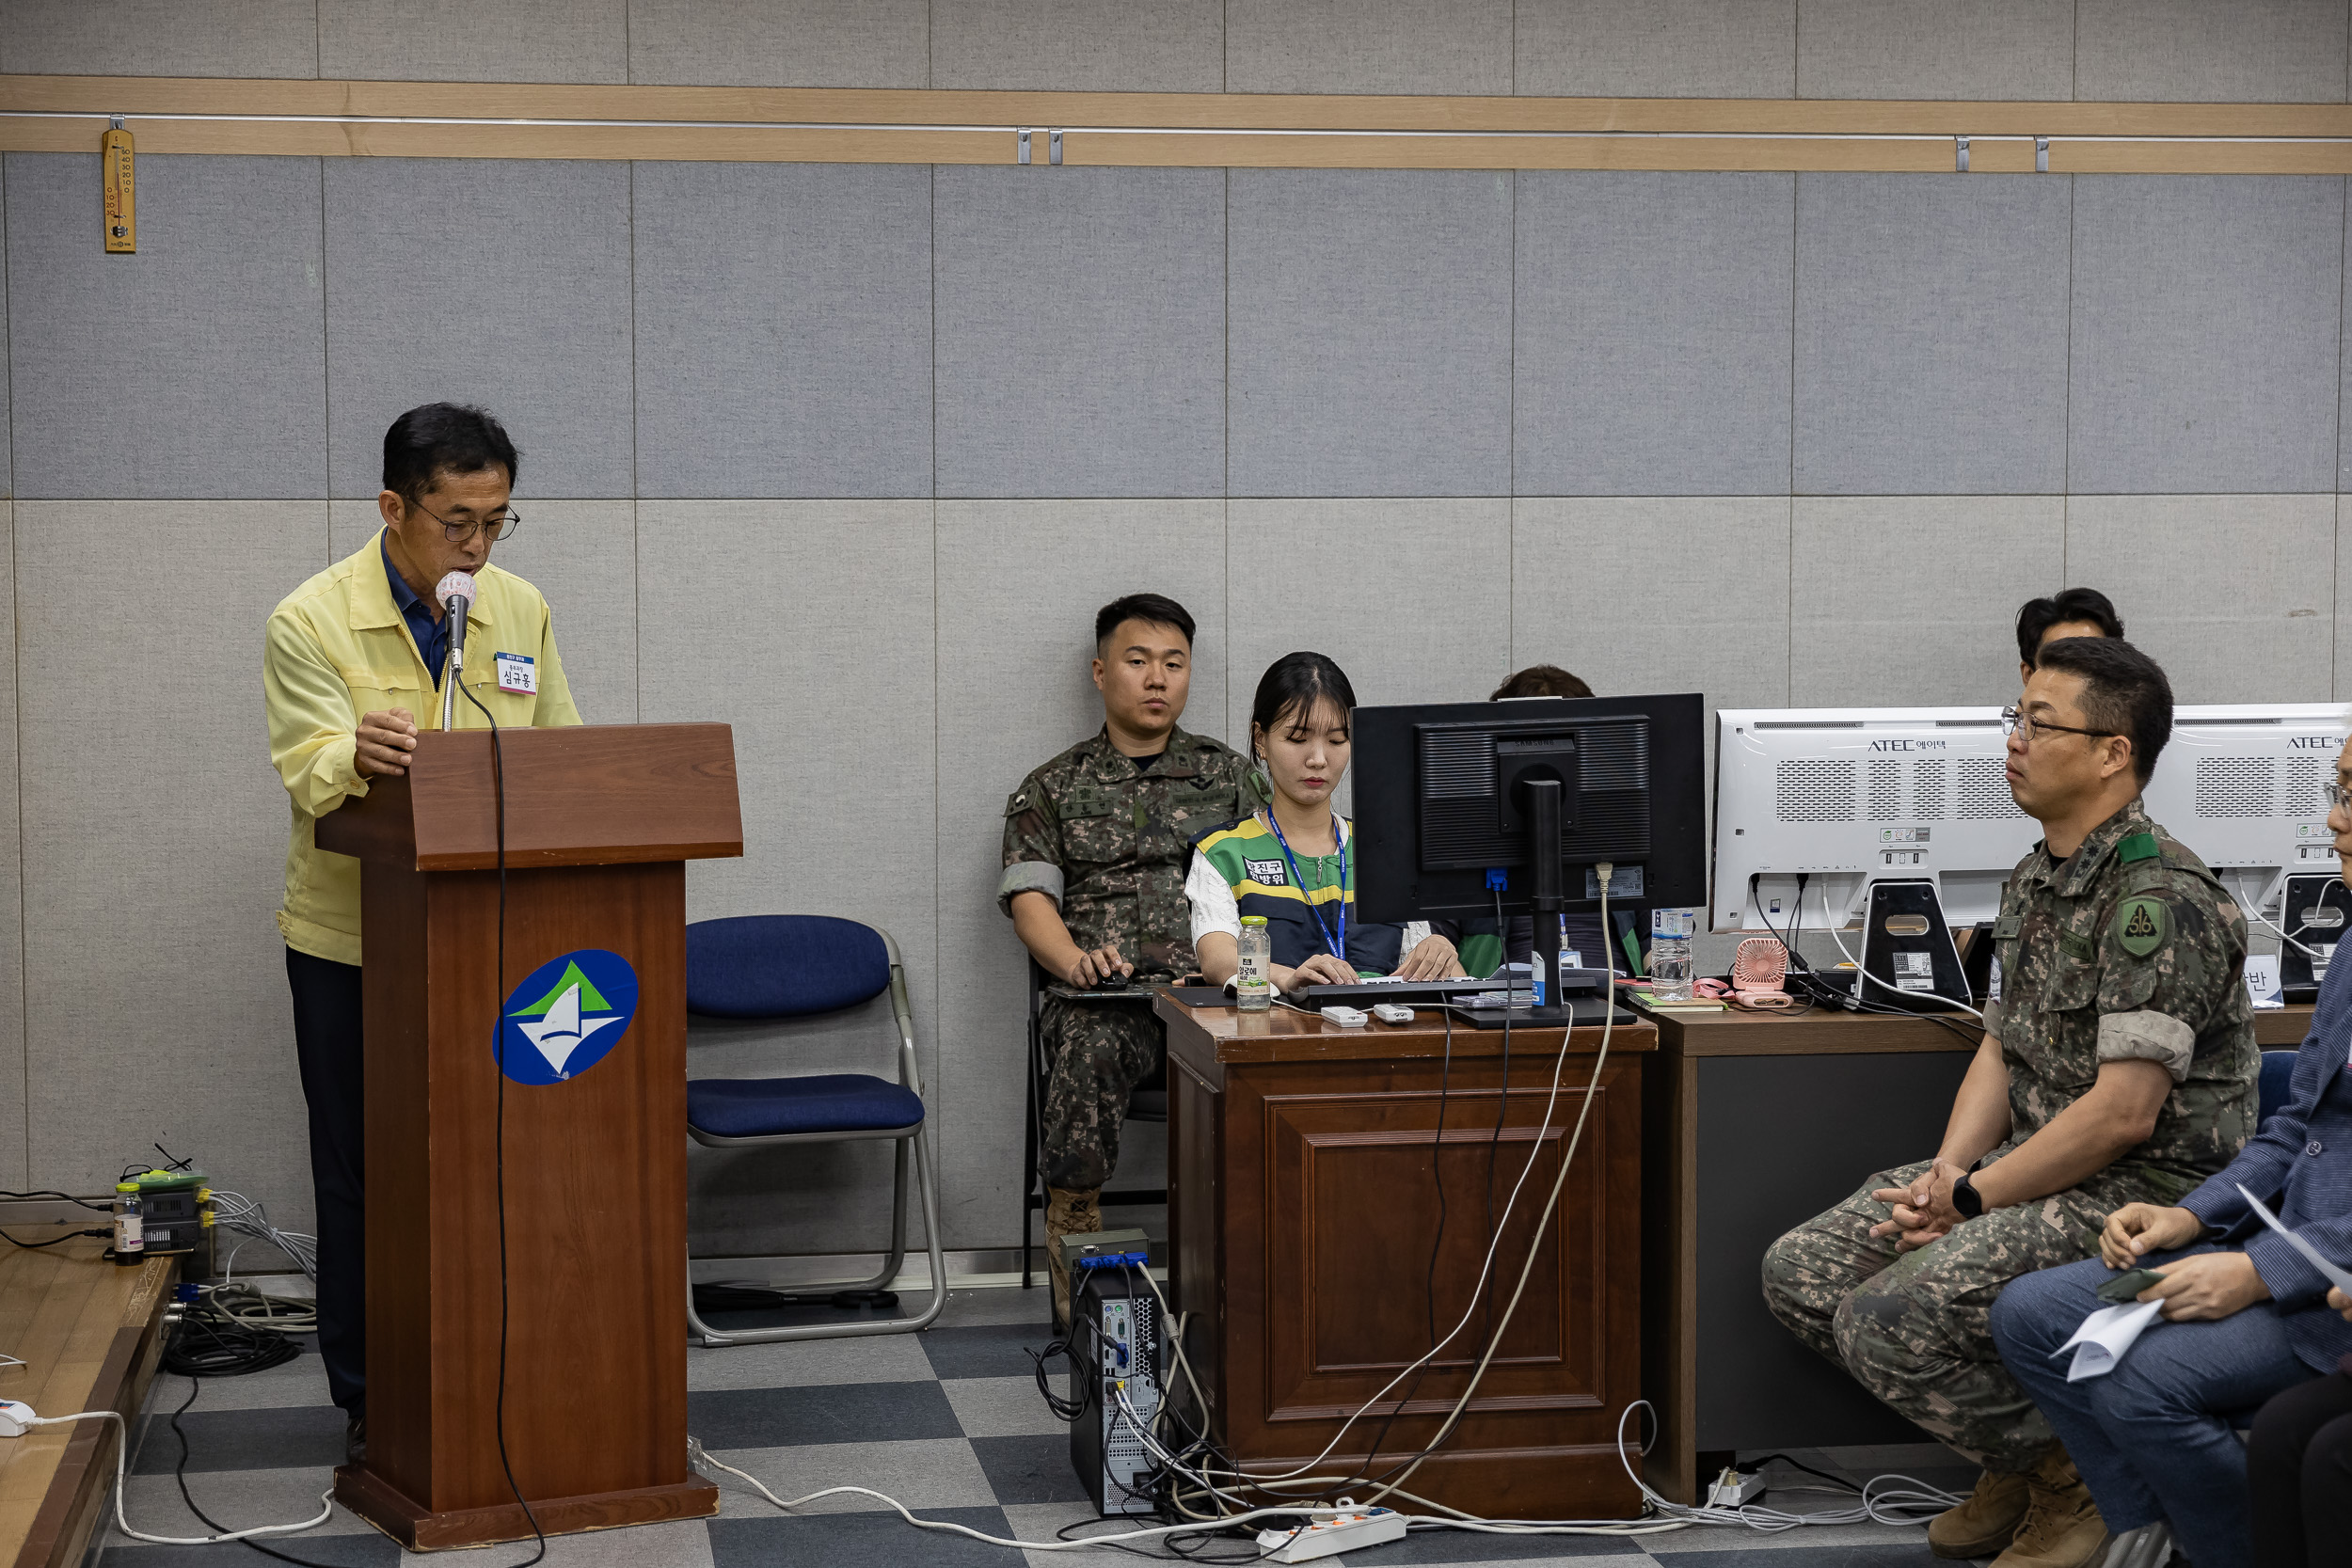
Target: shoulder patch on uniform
2142 924
1019 804
2139 846
1266 872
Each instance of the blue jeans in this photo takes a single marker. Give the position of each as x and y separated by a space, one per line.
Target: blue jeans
2153 1438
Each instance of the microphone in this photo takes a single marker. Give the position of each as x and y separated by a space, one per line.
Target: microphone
455 593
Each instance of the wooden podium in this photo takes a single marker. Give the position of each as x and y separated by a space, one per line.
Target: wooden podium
600 824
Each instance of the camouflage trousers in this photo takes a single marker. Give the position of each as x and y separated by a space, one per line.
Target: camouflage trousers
1913 1327
1095 1054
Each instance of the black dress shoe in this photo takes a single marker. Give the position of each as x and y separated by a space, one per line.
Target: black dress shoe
355 1440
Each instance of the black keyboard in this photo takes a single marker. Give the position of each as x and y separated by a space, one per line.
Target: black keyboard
1578 985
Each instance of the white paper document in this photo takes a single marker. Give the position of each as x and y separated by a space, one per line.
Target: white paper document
2339 1278
2104 1336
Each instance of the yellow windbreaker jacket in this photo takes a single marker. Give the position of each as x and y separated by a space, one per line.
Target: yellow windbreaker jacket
337 649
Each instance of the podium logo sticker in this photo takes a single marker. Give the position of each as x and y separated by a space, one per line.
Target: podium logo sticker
567 1016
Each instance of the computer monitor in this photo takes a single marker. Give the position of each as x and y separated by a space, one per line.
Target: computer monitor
2246 787
1451 802
1844 796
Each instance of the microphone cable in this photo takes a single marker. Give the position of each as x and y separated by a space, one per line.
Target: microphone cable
497 1051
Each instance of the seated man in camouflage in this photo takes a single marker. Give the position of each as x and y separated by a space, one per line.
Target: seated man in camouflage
2117 1067
1096 842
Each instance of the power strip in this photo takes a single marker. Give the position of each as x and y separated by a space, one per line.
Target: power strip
1342 1532
1735 1487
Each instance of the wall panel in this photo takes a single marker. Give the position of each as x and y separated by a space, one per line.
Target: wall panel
160 37
2248 51
1368 46
514 40
1081 339
1019 583
1337 576
1662 49
194 369
7 450
1640 593
1912 600
155 842
2259 625
1078 46
1931 342
787 351
1650 321
1369 348
13 1162
454 280
2206 328
2001 50
807 627
780 43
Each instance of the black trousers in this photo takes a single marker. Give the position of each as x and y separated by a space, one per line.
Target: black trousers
2299 1464
334 1084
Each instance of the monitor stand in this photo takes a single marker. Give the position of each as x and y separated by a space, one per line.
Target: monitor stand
1543 843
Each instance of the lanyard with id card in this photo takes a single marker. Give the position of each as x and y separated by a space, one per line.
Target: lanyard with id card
518 674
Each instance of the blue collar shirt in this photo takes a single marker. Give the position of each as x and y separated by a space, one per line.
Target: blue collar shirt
431 634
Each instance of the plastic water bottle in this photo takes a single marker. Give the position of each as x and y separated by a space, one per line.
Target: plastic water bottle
1670 953
1253 982
130 1242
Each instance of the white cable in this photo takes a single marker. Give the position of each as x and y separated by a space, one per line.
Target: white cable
1568 1158
1872 979
235 1212
1536 1151
327 1499
703 1456
2280 933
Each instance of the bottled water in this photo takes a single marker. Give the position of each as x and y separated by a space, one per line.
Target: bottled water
1670 953
1253 983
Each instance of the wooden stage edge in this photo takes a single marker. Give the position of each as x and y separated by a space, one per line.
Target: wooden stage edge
90 1333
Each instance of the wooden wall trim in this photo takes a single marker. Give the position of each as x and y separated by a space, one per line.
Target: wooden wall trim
453 119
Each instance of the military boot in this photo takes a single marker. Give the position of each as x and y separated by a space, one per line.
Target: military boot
2063 1527
1985 1523
1066 1213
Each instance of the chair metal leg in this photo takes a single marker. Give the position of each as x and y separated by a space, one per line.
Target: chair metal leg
927 1188
1031 1137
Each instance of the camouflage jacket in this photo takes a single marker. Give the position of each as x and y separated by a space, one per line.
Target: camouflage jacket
1109 843
2130 949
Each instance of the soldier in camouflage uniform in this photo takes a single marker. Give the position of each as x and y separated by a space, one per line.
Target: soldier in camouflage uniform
2118 1066
1096 843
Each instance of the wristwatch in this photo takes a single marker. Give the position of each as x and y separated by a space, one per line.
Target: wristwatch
1967 1199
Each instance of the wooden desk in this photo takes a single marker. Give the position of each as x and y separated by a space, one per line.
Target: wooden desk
90 1333
1753 1123
1304 1206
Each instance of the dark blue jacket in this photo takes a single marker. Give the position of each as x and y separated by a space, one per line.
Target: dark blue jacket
2300 1166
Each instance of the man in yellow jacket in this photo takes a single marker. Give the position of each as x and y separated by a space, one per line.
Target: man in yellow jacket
354 660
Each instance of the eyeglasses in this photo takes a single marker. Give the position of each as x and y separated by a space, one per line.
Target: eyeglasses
2339 797
498 528
2026 728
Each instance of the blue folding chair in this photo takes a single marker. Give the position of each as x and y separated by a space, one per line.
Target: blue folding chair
765 967
2276 1081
